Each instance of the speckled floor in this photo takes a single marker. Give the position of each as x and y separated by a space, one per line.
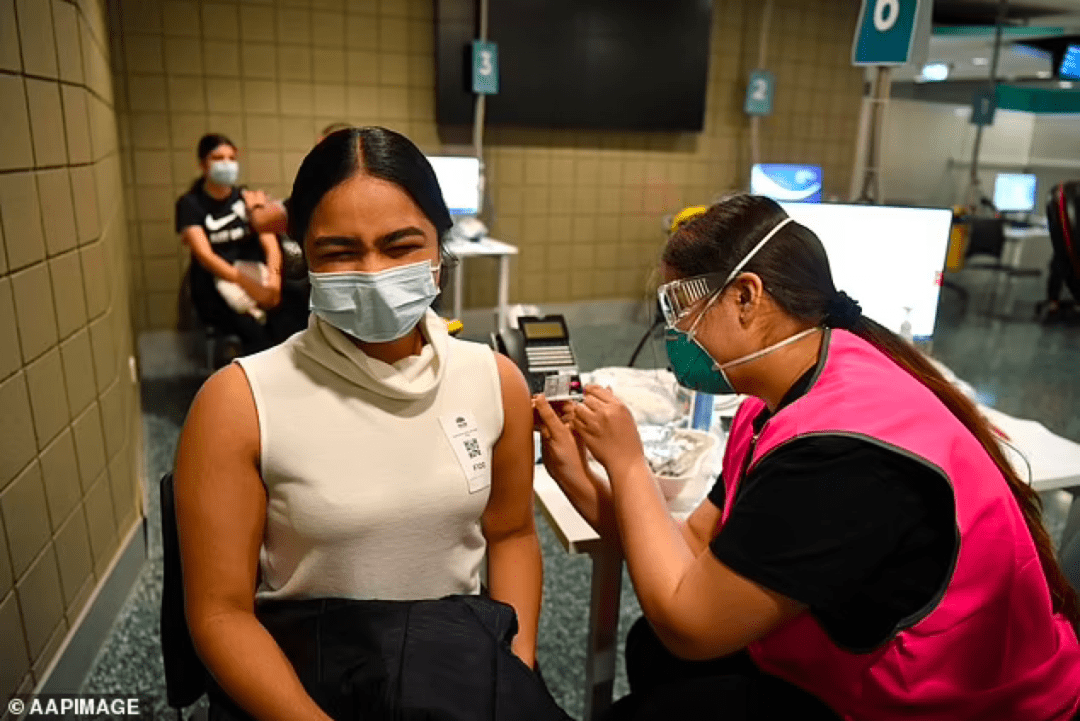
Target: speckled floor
1023 368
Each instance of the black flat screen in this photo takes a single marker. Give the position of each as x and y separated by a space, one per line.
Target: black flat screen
626 64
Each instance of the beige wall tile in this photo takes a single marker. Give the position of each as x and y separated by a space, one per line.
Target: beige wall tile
147 93
141 17
220 21
258 60
328 29
96 279
221 58
66 22
257 24
52 646
60 475
7 579
145 54
36 37
76 124
294 63
34 310
124 493
48 398
330 101
76 563
26 519
54 190
41 601
293 26
113 420
10 57
161 309
186 129
10 354
152 203
17 446
152 167
183 56
89 445
149 131
69 294
223 95
101 342
393 103
181 17
362 32
393 68
84 190
328 65
296 99
14 659
100 520
260 97
157 238
187 95
393 34
17 150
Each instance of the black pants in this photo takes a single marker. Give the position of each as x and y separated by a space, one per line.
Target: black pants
663 686
1059 270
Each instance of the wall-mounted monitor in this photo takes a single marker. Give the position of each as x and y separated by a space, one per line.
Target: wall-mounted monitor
888 259
1014 192
459 180
787 183
1070 65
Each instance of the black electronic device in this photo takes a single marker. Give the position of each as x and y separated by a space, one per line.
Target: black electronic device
603 64
540 346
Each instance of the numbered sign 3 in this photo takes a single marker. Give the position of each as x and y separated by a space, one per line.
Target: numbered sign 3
759 93
485 67
892 32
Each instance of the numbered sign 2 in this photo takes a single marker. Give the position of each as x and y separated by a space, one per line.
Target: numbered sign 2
892 32
759 93
485 67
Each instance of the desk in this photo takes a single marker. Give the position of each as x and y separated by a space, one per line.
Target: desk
1055 464
485 247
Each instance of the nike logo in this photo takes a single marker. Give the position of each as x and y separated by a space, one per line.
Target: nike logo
220 223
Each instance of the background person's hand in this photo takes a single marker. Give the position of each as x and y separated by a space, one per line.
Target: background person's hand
607 426
254 199
562 451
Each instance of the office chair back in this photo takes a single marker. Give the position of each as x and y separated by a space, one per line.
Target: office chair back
185 676
987 237
1063 218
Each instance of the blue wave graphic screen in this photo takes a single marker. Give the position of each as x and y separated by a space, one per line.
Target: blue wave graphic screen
1070 66
787 183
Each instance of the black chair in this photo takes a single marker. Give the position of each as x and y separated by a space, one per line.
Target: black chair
186 678
1063 219
986 242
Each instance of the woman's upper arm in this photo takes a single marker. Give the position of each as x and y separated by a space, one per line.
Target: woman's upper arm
220 498
509 506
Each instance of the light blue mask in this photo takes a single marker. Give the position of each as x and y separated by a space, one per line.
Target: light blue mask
374 307
224 172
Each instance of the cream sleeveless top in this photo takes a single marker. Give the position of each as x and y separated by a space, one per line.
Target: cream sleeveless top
376 475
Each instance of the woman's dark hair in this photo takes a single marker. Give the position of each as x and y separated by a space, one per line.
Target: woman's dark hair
794 270
378 152
208 142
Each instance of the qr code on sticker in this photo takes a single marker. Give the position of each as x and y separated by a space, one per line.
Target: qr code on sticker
472 447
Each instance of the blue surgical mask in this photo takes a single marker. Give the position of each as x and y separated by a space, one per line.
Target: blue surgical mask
224 172
375 307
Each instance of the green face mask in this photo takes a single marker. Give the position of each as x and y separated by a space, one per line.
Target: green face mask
693 367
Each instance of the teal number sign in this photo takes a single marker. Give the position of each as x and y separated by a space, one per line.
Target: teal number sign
983 107
891 32
759 93
485 67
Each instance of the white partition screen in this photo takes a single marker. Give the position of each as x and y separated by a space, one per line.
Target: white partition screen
889 259
459 180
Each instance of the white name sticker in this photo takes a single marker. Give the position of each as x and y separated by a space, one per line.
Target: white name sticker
464 436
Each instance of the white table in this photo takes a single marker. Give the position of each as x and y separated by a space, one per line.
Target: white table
490 248
1055 463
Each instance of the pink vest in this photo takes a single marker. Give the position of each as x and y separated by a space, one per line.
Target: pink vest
990 647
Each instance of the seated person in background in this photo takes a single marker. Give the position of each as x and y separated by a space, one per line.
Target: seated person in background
235 272
369 458
272 216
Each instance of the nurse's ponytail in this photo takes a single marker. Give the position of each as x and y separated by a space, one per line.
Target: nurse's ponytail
794 270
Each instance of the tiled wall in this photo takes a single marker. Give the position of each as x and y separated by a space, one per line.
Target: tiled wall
68 406
584 208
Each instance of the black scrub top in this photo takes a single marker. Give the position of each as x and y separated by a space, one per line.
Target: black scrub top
226 225
864 536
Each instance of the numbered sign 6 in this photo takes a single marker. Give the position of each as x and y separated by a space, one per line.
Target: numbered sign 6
759 93
892 32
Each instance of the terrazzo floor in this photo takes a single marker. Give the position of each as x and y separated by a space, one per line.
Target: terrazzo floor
1020 367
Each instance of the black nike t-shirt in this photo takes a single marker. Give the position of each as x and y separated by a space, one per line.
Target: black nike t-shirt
864 535
226 225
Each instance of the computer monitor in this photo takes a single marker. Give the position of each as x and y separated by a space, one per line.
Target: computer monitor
1070 65
888 259
787 183
459 180
1014 193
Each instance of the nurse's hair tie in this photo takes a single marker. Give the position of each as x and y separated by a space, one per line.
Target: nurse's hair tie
843 311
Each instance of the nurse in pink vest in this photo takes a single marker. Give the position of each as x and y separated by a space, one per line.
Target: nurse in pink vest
867 553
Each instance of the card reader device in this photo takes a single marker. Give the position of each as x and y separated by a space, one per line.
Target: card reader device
541 349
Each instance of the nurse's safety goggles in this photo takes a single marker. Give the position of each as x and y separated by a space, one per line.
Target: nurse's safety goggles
678 296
